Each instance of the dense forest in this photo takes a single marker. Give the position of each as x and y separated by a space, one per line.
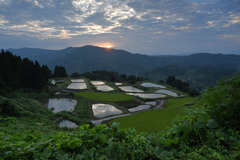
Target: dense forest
110 76
182 86
16 72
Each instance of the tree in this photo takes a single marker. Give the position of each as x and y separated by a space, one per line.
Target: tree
21 73
60 71
132 79
75 75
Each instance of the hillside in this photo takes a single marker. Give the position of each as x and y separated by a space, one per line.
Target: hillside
210 130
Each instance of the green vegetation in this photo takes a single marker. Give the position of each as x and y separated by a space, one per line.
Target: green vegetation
26 105
182 86
207 132
156 120
105 97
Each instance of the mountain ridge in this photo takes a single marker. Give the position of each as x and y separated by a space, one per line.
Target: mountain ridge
89 58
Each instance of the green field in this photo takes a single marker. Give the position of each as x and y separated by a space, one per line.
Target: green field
155 120
105 97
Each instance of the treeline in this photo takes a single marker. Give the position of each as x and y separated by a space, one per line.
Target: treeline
60 71
109 76
182 86
16 72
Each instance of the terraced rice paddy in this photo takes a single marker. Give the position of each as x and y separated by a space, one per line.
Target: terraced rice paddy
77 80
61 104
153 85
77 86
95 83
139 108
167 92
104 110
104 88
130 89
148 95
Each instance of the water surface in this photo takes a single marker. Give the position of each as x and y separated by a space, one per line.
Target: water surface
104 88
104 110
130 89
148 84
77 86
68 124
118 84
147 95
139 108
151 103
167 92
61 104
95 83
77 80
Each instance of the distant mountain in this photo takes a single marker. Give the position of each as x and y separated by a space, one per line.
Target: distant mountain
89 58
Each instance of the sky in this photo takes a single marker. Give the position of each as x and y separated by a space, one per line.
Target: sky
152 27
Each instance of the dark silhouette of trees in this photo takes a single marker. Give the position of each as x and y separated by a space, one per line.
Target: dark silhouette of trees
60 71
16 72
111 76
182 86
75 75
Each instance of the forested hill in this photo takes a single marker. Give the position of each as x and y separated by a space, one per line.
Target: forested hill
89 58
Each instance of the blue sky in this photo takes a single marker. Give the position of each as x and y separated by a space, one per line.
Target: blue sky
138 26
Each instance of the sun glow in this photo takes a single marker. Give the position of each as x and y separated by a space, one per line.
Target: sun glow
108 46
105 45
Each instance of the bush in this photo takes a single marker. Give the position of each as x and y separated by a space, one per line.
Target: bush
9 109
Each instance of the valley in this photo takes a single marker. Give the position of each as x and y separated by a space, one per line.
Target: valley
106 115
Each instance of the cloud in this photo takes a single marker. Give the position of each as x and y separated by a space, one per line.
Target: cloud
138 21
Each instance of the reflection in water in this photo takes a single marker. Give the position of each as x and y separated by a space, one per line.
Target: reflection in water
104 88
61 104
151 103
77 80
147 95
118 84
68 124
104 110
77 86
130 89
53 81
95 83
167 92
138 108
148 84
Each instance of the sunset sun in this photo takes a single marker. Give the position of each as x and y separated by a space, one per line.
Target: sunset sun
105 45
108 46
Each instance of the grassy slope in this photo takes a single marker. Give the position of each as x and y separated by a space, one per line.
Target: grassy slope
107 97
155 120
